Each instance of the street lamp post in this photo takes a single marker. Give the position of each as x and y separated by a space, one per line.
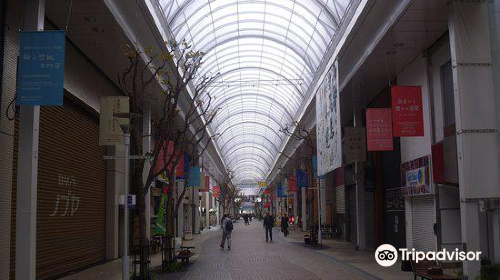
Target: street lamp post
125 126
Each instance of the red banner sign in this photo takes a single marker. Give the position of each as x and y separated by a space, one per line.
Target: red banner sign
216 191
379 130
207 184
292 184
407 114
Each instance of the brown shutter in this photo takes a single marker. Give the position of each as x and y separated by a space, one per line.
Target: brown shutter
71 214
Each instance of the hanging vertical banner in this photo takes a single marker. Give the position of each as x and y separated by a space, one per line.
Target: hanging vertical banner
328 125
354 144
379 130
110 132
315 166
292 184
280 189
41 68
180 168
216 191
301 178
160 226
203 183
407 114
194 176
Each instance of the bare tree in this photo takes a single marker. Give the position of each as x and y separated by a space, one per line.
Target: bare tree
299 132
175 131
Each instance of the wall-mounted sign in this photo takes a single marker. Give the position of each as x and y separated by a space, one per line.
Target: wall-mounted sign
415 177
407 114
41 68
110 132
194 176
379 130
328 128
355 144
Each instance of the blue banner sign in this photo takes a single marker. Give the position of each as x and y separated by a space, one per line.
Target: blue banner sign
41 68
194 176
301 178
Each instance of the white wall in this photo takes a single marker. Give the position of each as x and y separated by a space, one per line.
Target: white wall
415 147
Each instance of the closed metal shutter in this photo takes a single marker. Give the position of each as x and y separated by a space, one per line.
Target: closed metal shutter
71 218
340 199
370 232
351 196
423 218
7 93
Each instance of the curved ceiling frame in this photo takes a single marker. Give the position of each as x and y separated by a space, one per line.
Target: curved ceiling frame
260 148
253 123
254 58
243 69
256 21
235 98
297 62
251 112
318 2
286 43
233 140
207 48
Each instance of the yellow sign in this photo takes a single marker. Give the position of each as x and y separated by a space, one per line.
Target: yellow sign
262 183
110 132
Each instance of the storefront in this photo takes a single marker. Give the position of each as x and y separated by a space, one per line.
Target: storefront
71 218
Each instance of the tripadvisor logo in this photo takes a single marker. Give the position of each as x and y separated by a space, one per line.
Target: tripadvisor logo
387 255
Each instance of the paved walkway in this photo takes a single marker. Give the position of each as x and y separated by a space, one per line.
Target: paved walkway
252 258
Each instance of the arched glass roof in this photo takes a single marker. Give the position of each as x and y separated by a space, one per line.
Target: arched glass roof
266 53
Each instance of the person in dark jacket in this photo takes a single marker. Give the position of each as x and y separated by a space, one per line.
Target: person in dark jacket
268 225
284 225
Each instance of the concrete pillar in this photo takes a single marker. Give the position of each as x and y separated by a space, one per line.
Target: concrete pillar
303 193
196 210
359 178
146 147
207 213
295 205
477 144
27 170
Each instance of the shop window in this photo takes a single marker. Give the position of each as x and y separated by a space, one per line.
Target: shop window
448 99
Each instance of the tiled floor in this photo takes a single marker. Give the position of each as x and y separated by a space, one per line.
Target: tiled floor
252 258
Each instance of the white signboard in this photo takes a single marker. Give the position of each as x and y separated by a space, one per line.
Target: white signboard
328 130
110 132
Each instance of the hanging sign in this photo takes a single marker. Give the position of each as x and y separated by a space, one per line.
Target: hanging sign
407 114
203 183
292 184
110 132
216 191
355 144
415 177
301 178
379 130
262 183
41 68
328 128
194 176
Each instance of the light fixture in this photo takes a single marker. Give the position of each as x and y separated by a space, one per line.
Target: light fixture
98 29
90 19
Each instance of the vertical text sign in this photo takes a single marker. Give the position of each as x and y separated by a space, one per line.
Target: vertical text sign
110 132
407 115
379 130
41 68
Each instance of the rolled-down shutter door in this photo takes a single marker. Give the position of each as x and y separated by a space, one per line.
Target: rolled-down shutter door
351 195
423 219
71 191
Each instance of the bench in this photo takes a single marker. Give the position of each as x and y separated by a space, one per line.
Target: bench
429 270
184 254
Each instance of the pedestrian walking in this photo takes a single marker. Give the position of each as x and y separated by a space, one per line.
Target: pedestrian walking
227 228
268 225
245 217
284 225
